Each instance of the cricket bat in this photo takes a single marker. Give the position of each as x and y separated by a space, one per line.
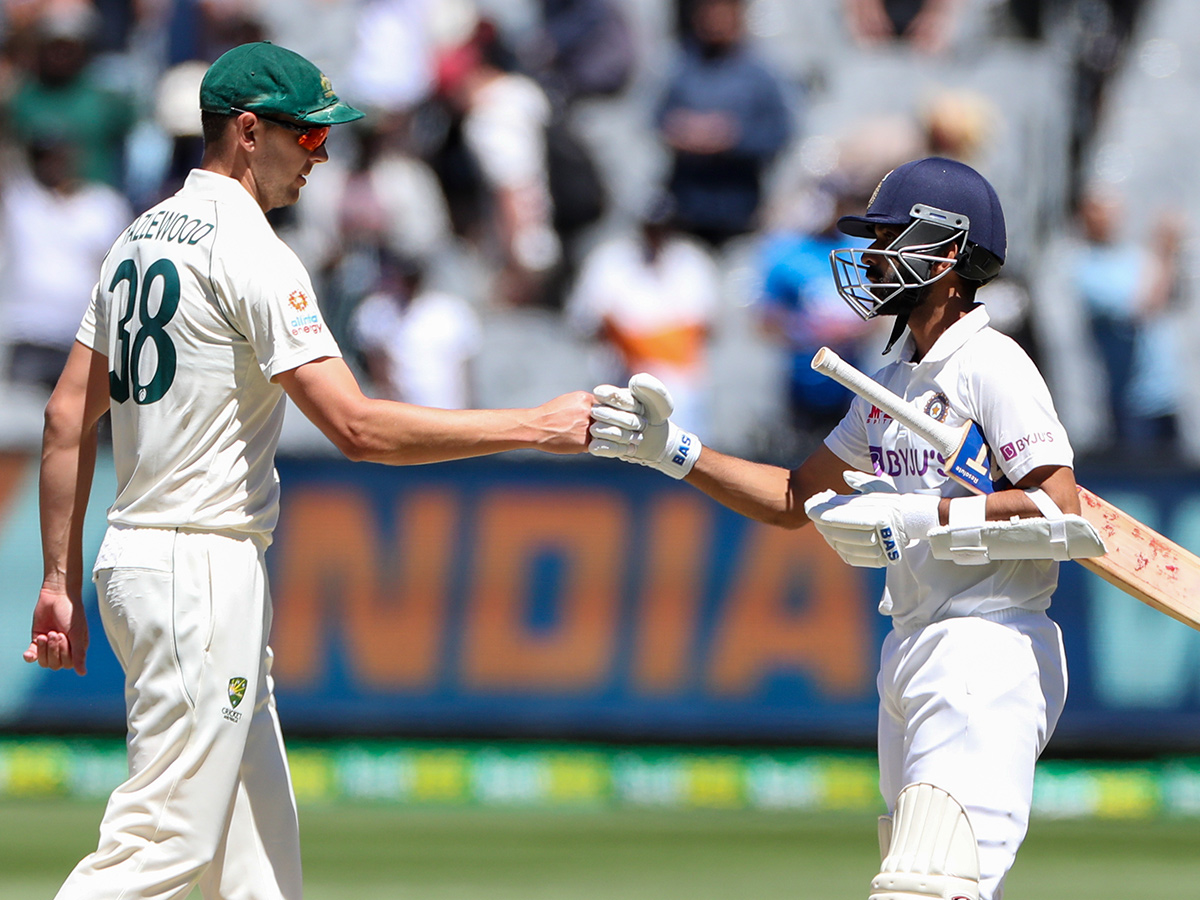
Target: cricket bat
1139 560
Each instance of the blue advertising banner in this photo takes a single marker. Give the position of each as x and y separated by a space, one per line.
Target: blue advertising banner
577 598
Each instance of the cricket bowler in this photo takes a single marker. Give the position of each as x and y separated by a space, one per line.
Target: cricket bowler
202 319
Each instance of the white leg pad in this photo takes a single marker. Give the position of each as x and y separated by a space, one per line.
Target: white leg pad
932 852
885 836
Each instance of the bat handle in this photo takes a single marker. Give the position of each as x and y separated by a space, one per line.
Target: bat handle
944 437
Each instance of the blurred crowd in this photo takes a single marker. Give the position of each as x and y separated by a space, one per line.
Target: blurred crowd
549 194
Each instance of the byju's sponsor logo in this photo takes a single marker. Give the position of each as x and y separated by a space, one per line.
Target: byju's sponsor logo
1013 449
909 461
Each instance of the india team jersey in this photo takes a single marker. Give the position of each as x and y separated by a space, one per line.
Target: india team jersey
199 305
971 372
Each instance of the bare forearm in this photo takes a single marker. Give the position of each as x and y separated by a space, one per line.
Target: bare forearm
761 492
1057 481
65 482
402 434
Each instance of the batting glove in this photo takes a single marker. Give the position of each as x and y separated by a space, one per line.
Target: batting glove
872 529
633 424
866 483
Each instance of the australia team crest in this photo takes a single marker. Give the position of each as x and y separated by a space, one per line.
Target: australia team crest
237 690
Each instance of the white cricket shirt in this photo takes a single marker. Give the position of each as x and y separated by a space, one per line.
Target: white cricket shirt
198 306
971 372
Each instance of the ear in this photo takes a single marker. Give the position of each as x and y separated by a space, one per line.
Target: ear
951 254
245 130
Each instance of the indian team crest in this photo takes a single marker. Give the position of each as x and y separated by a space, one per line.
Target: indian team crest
875 193
938 406
237 690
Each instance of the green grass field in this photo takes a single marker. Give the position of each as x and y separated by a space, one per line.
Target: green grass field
377 852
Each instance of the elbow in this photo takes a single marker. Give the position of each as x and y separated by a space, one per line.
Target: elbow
352 451
357 435
353 444
349 434
57 420
791 519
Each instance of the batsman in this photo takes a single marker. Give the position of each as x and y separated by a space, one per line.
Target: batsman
972 675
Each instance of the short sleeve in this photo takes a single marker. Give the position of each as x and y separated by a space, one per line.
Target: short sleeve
273 305
1017 414
93 331
848 440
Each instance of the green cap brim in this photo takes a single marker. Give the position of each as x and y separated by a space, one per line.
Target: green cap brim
335 114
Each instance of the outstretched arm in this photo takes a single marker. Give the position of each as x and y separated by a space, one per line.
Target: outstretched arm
383 431
767 493
634 424
59 636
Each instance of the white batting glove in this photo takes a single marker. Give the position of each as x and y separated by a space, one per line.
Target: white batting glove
872 530
866 482
633 424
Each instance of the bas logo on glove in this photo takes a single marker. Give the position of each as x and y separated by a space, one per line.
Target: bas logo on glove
685 447
872 529
888 538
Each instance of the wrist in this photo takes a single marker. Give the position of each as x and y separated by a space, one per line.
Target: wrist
681 452
921 515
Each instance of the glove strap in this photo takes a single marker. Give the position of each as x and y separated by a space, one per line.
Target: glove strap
966 521
681 452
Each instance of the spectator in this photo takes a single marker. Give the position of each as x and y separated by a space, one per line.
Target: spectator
801 308
1126 286
652 296
385 203
392 62
504 121
60 95
178 120
204 29
58 228
418 344
958 124
584 48
928 25
723 119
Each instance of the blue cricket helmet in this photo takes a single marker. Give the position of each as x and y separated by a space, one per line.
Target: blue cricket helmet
948 186
949 219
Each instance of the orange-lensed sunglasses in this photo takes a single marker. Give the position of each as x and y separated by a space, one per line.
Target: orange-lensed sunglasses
310 137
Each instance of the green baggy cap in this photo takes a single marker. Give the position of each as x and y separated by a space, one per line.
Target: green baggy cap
263 77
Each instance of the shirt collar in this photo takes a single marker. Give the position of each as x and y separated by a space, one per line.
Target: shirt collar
951 339
209 185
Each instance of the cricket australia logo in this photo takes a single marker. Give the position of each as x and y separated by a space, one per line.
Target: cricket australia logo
237 691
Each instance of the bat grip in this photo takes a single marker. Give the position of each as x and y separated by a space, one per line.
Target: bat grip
945 438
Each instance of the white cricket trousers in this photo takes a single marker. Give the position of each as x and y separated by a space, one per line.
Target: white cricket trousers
209 798
968 704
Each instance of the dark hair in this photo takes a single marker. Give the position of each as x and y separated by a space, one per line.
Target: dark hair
213 125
